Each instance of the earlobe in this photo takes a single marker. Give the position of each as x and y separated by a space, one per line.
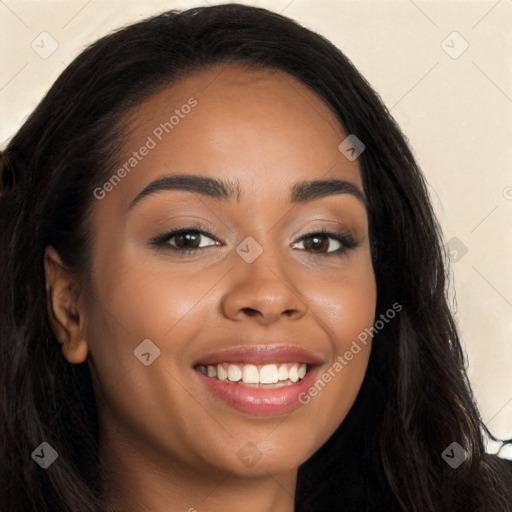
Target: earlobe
75 352
63 307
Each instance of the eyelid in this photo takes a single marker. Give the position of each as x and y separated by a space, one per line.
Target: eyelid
162 239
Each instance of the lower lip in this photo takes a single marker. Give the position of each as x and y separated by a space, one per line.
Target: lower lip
260 401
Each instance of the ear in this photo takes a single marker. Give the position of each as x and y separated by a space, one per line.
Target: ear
65 313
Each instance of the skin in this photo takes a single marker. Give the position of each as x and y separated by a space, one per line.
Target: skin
166 444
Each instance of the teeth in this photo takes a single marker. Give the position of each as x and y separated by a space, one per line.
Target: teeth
253 375
222 374
234 373
250 374
282 373
268 374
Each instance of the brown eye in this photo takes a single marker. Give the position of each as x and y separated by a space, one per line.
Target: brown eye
188 240
320 242
327 243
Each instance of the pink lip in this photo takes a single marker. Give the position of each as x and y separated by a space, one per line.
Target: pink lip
258 401
262 354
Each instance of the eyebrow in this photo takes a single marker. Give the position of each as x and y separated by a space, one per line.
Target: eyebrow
216 188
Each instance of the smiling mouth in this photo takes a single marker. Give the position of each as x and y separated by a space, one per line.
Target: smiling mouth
270 376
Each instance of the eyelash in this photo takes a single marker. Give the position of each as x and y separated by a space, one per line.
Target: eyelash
347 241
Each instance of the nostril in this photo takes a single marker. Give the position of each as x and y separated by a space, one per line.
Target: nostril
250 311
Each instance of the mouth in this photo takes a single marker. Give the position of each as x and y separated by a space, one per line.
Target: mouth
261 380
268 376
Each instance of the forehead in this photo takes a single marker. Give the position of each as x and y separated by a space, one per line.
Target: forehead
253 127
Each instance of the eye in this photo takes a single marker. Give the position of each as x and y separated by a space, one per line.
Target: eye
191 239
185 240
326 243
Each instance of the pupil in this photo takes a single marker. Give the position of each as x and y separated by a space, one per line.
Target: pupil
189 237
318 242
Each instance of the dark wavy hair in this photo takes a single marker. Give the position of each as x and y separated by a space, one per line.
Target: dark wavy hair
415 399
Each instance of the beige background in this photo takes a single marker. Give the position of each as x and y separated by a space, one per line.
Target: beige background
456 111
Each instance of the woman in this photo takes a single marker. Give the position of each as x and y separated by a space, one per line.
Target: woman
224 287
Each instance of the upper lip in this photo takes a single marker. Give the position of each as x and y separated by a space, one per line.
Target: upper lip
261 354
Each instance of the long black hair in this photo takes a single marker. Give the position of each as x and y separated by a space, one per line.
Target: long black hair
415 399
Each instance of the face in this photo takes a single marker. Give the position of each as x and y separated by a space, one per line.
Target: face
259 275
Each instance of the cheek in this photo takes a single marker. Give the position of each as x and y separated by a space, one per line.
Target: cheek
347 307
345 303
139 297
138 300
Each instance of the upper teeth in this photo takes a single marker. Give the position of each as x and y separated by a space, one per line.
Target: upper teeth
253 374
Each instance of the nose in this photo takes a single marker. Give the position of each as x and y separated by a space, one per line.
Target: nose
264 293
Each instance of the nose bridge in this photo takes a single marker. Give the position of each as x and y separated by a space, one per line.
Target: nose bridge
262 286
264 259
